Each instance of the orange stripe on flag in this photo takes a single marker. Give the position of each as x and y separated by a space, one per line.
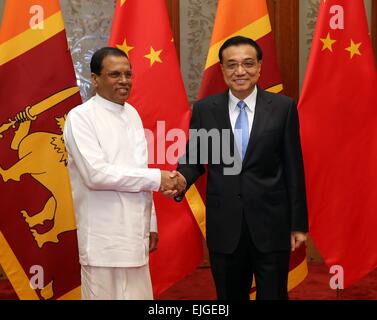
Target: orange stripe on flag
297 275
19 14
227 23
15 272
254 30
29 39
197 207
74 294
275 89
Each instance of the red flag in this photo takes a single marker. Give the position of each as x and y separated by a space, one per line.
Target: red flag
141 28
38 245
338 116
253 22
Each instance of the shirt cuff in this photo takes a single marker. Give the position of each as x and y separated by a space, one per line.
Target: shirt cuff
155 176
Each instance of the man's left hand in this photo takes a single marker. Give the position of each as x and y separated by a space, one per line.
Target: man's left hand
153 240
297 238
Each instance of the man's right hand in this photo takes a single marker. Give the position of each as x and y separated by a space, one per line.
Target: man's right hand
179 184
169 183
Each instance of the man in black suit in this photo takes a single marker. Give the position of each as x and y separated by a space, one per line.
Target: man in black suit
255 213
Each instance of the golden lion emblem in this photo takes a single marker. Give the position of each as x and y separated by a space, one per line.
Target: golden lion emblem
44 157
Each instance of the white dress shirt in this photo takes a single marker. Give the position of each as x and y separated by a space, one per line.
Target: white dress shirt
111 183
234 111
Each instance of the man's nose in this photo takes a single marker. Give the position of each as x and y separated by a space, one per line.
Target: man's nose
123 78
240 69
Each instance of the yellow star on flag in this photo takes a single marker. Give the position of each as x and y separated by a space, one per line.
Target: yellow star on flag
125 47
154 56
122 2
354 49
327 42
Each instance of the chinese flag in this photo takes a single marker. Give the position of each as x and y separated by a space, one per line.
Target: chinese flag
251 21
338 116
141 28
38 246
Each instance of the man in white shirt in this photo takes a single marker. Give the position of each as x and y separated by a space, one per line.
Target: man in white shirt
112 185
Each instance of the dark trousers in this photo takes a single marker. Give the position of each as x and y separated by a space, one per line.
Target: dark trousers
233 273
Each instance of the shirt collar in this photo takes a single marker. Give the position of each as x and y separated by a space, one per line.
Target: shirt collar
250 100
112 106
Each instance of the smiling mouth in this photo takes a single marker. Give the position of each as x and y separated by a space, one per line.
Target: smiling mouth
123 90
240 81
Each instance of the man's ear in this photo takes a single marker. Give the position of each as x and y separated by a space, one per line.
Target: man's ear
222 68
94 78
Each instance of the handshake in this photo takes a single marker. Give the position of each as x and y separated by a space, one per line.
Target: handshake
172 183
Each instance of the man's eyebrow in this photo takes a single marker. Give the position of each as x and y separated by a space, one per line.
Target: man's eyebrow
246 59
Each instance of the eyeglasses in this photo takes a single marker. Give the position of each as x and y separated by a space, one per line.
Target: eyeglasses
118 75
247 65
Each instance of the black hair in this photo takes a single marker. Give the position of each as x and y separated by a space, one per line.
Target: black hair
99 55
238 40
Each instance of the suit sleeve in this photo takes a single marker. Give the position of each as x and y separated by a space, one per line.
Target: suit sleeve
294 169
189 164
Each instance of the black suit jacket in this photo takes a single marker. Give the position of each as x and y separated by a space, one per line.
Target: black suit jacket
269 190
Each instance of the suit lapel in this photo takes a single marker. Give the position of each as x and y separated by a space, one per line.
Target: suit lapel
220 112
262 111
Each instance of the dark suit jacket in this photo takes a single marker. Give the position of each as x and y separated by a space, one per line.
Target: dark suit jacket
270 189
